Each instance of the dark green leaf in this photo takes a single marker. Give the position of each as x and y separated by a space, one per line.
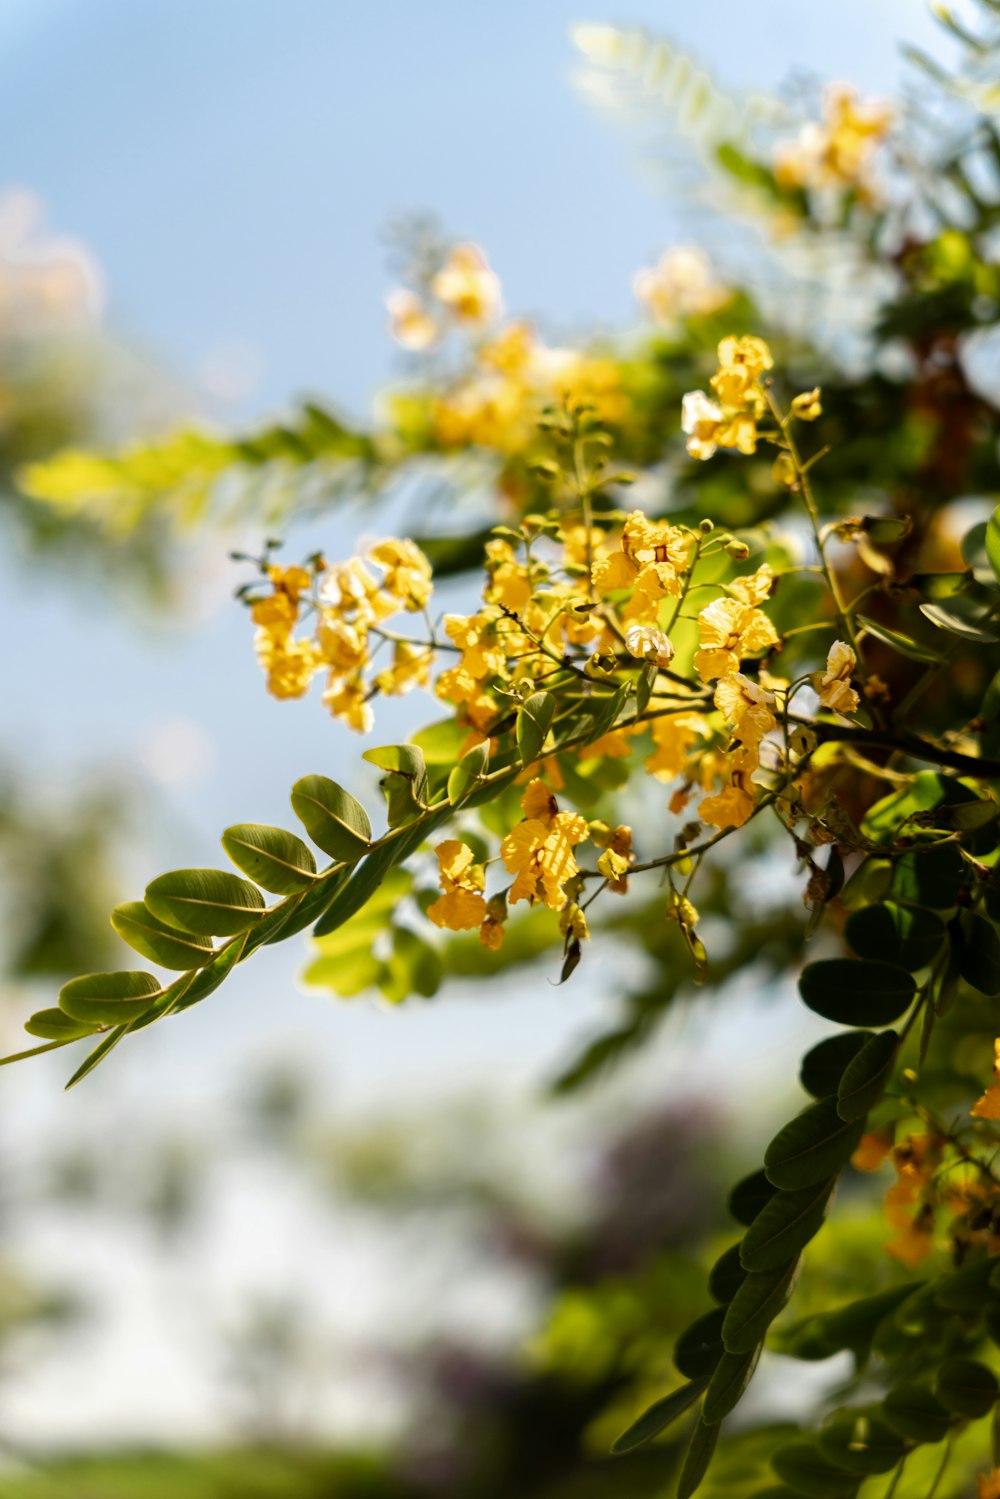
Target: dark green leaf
334 820
933 877
979 959
468 772
749 1196
697 1458
891 933
725 1390
534 720
824 1066
916 1414
405 783
645 682
803 1466
861 1442
108 998
812 1147
274 859
727 1275
785 1225
966 1387
962 617
901 643
208 902
856 993
754 1307
372 871
868 1076
965 1290
658 1417
147 934
699 1347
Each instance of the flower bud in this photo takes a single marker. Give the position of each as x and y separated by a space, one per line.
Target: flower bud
649 644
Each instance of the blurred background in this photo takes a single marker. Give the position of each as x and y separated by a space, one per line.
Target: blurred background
349 1236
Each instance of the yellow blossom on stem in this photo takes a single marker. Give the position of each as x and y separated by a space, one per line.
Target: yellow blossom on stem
680 285
807 406
467 286
729 808
742 361
871 1151
539 850
462 905
674 736
988 1107
988 1485
406 572
410 322
411 667
748 708
834 685
343 646
290 665
731 630
347 699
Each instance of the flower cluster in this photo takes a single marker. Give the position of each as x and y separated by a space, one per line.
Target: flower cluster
349 606
464 293
729 421
836 152
680 285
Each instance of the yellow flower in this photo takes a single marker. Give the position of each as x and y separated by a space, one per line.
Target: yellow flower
539 850
650 559
988 1485
407 572
462 905
276 615
467 286
411 665
702 420
871 1152
343 646
511 351
573 922
290 664
746 706
728 808
674 735
349 588
508 581
680 285
988 1107
649 644
742 361
755 588
483 650
348 701
834 686
615 860
410 323
807 406
731 630
838 152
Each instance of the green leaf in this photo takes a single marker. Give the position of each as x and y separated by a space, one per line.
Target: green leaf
147 934
696 1460
699 1347
404 785
963 617
750 1196
812 1146
644 684
413 967
916 1414
469 772
932 877
209 978
369 875
861 1442
966 1387
56 1025
725 1390
824 1066
803 1466
901 643
852 992
965 1290
979 958
274 859
34 1051
97 1056
852 1326
756 1304
334 820
109 998
727 1275
534 720
208 902
895 934
785 1225
993 542
868 1076
660 1415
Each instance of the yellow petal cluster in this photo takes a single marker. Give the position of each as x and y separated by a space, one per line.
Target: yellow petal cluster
539 849
837 151
680 285
729 421
834 684
462 904
731 631
988 1107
